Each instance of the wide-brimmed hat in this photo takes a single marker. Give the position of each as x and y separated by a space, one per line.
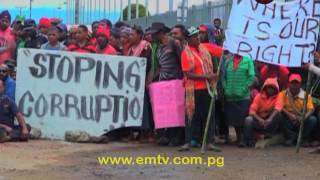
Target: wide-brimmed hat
158 27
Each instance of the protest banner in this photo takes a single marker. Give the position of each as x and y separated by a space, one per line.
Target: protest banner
276 33
59 91
169 108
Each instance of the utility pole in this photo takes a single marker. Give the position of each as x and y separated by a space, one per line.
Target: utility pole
170 5
109 8
30 1
158 8
76 12
129 10
137 9
121 10
115 8
104 9
147 7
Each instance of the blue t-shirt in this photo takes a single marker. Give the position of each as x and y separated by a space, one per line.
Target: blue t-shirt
8 110
10 88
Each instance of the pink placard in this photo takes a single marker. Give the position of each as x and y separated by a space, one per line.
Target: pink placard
168 103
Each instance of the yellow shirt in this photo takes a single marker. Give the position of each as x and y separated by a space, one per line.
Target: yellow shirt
295 105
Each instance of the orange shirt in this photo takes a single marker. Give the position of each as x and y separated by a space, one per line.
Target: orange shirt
214 50
262 105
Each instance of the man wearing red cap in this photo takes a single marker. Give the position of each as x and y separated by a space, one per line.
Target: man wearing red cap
290 104
7 38
103 46
44 25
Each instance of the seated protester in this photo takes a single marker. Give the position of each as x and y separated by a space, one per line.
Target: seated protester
262 114
53 43
275 71
9 111
102 37
10 84
290 103
12 64
83 43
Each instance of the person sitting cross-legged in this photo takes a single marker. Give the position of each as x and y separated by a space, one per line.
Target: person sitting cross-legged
262 115
9 111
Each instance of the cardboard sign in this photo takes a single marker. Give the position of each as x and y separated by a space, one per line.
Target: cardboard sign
168 103
59 91
276 33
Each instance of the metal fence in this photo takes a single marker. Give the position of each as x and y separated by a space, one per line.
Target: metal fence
195 15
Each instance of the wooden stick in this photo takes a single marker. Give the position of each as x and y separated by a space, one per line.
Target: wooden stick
305 102
212 105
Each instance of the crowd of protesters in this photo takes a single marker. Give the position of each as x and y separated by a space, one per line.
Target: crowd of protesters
258 100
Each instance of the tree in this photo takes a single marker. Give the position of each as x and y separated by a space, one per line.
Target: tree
142 12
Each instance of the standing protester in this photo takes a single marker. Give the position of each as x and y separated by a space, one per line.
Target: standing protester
53 43
207 33
83 43
262 115
94 28
10 84
169 68
207 38
142 48
200 78
7 38
115 40
290 103
33 38
238 78
124 40
9 111
63 33
178 33
43 26
218 32
103 46
72 36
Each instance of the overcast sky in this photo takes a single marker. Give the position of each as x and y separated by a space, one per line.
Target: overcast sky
164 4
57 8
